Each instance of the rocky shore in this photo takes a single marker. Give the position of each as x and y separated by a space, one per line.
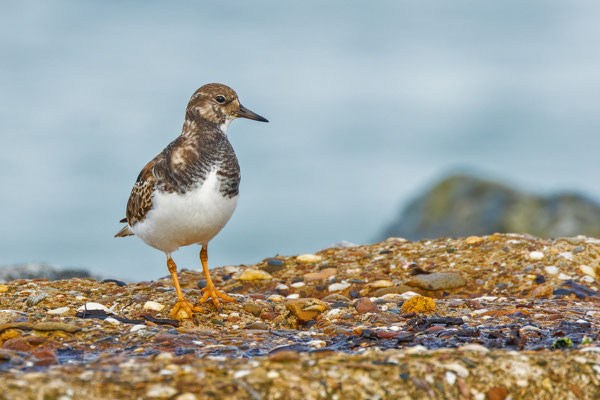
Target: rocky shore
483 317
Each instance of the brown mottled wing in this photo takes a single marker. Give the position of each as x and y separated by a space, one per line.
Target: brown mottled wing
140 200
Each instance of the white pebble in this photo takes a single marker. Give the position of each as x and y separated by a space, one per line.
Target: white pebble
551 269
293 296
297 284
112 321
567 254
161 392
588 270
317 344
336 287
273 374
408 295
241 373
281 287
536 255
94 306
137 327
309 258
153 305
60 310
564 277
450 377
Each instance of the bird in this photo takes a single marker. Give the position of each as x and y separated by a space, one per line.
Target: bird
188 192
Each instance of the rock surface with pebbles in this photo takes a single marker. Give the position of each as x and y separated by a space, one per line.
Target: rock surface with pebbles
493 317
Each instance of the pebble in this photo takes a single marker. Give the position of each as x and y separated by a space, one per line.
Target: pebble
201 284
137 327
419 304
365 305
253 308
293 296
153 306
60 310
474 239
186 396
450 377
317 344
274 262
276 298
551 269
474 347
298 284
3 288
112 321
306 309
36 298
255 274
578 249
536 255
438 281
336 287
567 254
321 275
382 283
587 270
309 258
259 326
161 392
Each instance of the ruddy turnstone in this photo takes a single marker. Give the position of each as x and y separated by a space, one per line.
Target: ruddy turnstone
188 192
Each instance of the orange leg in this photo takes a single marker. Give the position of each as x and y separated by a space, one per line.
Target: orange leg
209 290
182 303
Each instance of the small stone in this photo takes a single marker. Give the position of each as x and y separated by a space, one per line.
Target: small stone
34 299
45 356
153 306
160 392
551 269
320 275
255 274
382 283
392 290
186 396
536 255
419 305
273 265
497 393
438 281
201 284
474 347
115 281
451 376
293 296
253 308
474 240
309 258
298 284
336 287
260 326
112 321
587 270
578 249
137 327
94 306
306 309
60 310
541 291
3 288
281 288
365 305
276 298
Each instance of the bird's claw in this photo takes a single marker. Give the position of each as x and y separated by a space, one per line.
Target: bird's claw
187 309
215 295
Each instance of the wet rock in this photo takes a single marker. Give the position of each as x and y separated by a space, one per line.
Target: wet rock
365 305
419 305
255 274
306 309
438 281
466 205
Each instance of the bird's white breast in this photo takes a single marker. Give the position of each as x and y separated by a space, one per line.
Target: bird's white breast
177 220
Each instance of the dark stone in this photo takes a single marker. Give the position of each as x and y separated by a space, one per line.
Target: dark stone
501 285
273 265
275 262
540 279
356 281
578 249
226 277
353 294
116 281
299 279
385 252
202 284
461 206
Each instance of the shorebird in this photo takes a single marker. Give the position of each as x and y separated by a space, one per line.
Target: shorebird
188 192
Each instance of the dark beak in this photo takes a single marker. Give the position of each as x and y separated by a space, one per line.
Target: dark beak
243 112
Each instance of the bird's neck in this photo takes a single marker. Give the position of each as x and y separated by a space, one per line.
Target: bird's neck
194 126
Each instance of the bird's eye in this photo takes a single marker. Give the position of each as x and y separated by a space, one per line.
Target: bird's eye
220 99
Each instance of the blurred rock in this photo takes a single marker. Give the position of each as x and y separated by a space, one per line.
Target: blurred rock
461 206
41 271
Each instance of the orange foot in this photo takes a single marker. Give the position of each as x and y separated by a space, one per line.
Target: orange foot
215 295
187 309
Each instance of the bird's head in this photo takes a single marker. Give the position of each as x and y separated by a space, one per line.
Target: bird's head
219 104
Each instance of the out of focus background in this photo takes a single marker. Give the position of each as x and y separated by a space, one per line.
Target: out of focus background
389 118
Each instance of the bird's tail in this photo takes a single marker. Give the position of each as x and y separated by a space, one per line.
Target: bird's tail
124 232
